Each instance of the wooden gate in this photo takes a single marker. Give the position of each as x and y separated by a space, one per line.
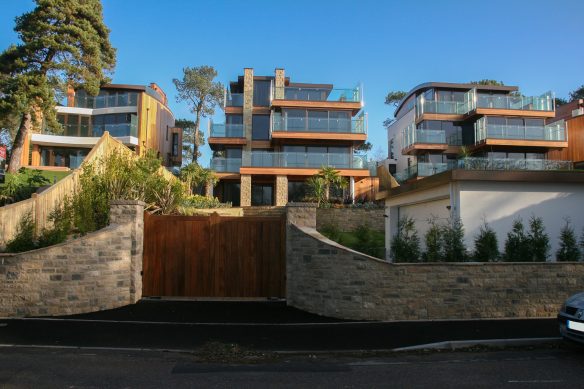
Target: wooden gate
214 256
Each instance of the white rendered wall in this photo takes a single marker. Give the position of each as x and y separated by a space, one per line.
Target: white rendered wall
421 205
501 202
395 131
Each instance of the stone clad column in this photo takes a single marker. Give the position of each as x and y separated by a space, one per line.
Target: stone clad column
280 82
247 106
281 191
245 191
132 211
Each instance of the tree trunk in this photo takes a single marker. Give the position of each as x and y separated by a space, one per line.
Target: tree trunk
208 189
21 136
196 140
327 192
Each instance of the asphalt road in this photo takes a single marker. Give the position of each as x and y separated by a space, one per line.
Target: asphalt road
263 326
561 367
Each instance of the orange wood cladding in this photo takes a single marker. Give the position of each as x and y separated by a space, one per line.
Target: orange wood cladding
227 141
575 150
288 171
319 135
513 112
234 110
421 147
214 256
440 116
521 143
355 107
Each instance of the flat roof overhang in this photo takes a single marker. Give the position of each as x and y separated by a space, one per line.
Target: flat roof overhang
549 144
304 135
417 148
537 176
288 171
76 141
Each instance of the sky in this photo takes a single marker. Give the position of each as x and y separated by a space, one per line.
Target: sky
385 45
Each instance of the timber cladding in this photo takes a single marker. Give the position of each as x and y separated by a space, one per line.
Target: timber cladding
214 256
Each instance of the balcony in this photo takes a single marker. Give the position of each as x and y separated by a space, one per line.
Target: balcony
440 107
418 139
97 130
233 99
303 160
551 135
319 128
424 169
225 165
125 99
229 130
544 102
352 95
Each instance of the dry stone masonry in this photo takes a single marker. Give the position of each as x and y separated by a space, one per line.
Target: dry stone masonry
101 270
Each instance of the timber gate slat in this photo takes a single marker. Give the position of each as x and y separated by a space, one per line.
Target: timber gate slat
214 256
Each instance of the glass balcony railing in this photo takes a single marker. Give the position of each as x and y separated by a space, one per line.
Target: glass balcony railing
544 102
127 99
412 135
318 94
97 130
304 160
445 107
303 124
552 132
225 165
426 169
229 130
234 99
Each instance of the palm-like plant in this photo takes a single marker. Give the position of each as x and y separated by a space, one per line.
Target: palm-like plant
194 175
331 177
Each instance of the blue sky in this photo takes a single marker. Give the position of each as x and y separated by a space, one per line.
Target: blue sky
386 45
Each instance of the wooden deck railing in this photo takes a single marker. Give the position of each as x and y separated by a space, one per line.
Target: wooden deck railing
40 206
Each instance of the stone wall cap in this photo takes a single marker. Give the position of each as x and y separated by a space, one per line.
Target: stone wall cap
127 202
305 205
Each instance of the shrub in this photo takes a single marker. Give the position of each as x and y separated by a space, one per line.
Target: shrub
405 244
517 243
433 240
331 231
568 250
190 204
486 244
539 241
453 249
24 238
22 185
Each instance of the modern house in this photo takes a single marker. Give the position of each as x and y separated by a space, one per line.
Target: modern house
136 115
573 115
480 153
277 133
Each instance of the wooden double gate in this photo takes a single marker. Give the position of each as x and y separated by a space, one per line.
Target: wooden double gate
214 256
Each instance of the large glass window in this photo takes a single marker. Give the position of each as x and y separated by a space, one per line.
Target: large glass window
262 194
260 127
63 157
119 124
261 93
297 191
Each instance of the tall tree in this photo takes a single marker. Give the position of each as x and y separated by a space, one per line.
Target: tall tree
62 42
199 90
577 94
393 98
188 146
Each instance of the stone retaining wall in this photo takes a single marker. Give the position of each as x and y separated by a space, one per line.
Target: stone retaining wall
101 270
347 219
326 278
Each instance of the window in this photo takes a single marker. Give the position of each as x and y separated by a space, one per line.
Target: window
175 144
262 194
260 127
297 191
261 93
391 149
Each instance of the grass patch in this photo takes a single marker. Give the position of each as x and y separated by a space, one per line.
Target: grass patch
362 239
52 175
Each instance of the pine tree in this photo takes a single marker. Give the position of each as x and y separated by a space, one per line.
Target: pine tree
453 249
433 241
405 245
539 241
486 244
63 42
568 250
517 244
